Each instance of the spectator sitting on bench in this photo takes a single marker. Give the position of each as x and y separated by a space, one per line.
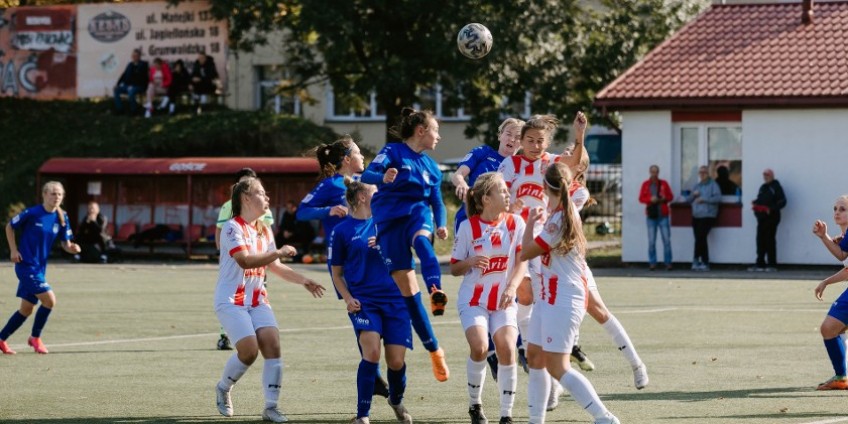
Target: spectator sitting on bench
180 80
160 80
91 236
298 234
203 77
133 81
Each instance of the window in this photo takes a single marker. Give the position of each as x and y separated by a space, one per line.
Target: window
342 108
447 104
270 78
716 145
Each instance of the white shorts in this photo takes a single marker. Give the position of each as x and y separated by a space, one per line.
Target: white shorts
492 321
240 322
534 329
534 271
590 281
558 326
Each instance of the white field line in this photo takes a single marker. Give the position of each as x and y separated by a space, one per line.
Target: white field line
440 323
835 420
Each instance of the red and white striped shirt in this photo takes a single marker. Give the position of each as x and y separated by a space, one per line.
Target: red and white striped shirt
500 241
525 179
236 285
563 276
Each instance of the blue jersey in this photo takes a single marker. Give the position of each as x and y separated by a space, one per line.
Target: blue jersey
843 244
317 204
364 271
419 181
39 230
480 160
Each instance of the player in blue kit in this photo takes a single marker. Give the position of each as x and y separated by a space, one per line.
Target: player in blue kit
338 160
39 227
483 159
408 200
374 303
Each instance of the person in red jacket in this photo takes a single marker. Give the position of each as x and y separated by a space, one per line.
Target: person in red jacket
160 80
656 194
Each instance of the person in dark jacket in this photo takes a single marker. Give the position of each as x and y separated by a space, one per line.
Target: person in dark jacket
770 200
92 236
180 80
203 76
133 81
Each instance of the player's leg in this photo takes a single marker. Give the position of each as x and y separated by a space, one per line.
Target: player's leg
475 322
524 311
15 321
831 330
397 338
598 310
237 323
369 344
539 382
48 301
420 228
268 338
502 324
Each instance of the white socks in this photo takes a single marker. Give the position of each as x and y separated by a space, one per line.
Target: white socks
538 390
233 370
272 380
583 393
476 376
507 381
622 341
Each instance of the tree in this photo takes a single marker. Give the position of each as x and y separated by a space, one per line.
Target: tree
560 52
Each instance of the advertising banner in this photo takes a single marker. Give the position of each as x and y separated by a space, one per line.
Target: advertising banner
108 33
38 52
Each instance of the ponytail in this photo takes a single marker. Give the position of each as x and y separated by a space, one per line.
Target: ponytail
352 192
409 120
331 155
558 181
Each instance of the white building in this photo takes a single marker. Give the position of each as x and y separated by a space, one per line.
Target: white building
750 86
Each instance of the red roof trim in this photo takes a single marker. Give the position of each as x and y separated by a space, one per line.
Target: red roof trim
706 116
724 102
178 166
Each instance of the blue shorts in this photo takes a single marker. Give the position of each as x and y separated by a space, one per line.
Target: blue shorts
388 318
395 238
31 284
839 308
460 216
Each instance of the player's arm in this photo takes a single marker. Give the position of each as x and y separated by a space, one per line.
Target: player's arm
579 128
290 275
458 180
530 247
820 230
310 207
15 256
518 272
439 214
71 247
842 275
379 171
339 282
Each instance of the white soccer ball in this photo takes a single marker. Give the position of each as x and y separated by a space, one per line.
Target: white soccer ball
474 41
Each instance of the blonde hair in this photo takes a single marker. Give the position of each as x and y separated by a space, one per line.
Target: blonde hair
45 188
558 181
510 122
546 123
483 185
244 188
352 192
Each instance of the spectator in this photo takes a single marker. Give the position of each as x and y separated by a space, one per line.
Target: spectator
133 81
203 77
725 184
705 197
770 200
298 234
92 236
160 80
180 80
656 194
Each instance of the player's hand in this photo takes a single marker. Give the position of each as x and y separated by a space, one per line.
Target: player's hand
536 214
339 211
16 256
479 262
353 305
820 229
389 176
372 242
580 124
286 251
442 233
461 191
820 290
74 248
316 289
517 206
507 298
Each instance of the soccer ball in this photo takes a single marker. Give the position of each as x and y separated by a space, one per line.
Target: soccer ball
474 41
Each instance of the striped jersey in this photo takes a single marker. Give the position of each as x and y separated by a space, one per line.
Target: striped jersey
500 241
525 180
563 276
236 285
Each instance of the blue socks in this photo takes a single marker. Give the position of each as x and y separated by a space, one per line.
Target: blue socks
430 269
397 385
15 322
836 351
420 323
40 319
365 386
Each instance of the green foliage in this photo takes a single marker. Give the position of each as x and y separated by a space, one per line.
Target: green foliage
34 131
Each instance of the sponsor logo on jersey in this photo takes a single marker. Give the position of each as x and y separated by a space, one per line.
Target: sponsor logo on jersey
16 219
496 264
55 228
426 176
546 260
533 190
552 228
360 320
497 242
466 157
308 198
380 158
254 272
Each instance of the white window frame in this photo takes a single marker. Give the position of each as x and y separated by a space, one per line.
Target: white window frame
703 146
330 109
260 84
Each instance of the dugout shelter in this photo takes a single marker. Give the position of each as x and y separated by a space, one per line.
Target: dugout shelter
182 194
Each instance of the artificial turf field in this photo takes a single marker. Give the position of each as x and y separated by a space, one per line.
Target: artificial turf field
136 343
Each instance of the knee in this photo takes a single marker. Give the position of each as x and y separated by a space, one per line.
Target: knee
25 310
828 331
395 363
371 353
478 352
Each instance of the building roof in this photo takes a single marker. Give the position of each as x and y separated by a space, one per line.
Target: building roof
178 166
744 55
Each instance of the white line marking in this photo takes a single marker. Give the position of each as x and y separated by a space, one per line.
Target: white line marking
835 420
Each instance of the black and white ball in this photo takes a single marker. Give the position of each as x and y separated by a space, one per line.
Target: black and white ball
474 41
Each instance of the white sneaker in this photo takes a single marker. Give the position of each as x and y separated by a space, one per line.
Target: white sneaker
148 113
553 396
222 399
401 413
274 415
361 420
640 377
609 419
